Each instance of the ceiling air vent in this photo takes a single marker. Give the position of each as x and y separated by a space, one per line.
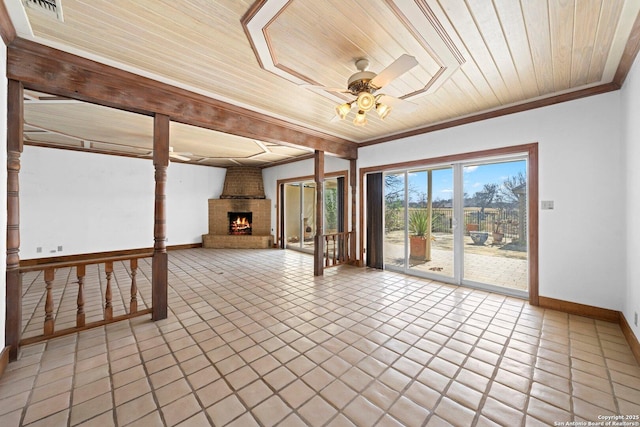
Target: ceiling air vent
52 8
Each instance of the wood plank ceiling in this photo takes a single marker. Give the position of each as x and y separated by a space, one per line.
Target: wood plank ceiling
475 57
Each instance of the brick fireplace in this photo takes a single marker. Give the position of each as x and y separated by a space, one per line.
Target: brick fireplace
241 217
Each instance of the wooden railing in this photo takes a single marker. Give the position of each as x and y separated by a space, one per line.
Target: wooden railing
337 248
49 269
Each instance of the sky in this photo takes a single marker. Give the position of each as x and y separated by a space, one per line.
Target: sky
475 177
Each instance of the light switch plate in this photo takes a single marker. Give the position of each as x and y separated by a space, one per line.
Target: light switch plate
546 205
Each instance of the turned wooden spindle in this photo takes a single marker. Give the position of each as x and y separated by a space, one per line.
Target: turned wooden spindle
49 275
133 305
108 308
80 317
326 250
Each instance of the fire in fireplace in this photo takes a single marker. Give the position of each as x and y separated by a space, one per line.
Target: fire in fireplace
240 223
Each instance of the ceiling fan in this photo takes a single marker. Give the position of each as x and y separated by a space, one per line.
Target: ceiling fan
364 85
174 155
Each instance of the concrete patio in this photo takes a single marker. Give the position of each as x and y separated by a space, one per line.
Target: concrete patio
490 264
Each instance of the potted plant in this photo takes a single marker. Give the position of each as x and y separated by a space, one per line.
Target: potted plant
418 229
497 234
478 237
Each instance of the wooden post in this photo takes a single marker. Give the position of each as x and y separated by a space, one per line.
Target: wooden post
160 262
318 252
15 127
133 304
80 316
353 177
49 275
108 306
429 213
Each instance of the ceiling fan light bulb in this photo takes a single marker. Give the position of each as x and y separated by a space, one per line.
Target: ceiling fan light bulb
361 119
342 110
383 110
366 101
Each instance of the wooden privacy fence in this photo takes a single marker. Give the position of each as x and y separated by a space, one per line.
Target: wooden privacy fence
337 248
80 268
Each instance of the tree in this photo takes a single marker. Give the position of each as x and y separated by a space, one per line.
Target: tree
331 208
393 189
507 191
485 197
393 201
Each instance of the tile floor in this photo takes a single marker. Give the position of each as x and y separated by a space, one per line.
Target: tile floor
507 271
252 339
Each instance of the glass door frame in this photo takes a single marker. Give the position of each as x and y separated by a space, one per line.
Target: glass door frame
460 214
409 263
303 240
280 185
528 151
406 265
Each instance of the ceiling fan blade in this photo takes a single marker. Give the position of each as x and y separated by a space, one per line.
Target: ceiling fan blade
398 67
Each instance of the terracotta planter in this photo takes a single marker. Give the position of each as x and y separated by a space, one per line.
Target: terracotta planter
418 248
497 237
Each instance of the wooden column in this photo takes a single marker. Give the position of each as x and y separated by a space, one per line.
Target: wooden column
429 213
353 183
318 163
160 264
15 120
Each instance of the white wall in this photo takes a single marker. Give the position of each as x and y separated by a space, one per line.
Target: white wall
631 138
582 241
89 202
189 189
3 188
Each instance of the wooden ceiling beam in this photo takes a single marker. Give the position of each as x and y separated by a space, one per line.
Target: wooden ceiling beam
7 30
49 70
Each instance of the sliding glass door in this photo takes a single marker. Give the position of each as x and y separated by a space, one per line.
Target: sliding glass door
465 223
430 221
395 224
299 213
495 220
419 221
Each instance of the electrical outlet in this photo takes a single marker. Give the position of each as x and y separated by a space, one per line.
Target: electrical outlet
39 249
59 248
635 319
546 205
